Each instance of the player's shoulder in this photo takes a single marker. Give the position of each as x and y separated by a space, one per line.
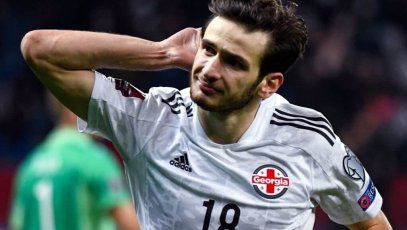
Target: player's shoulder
172 100
169 93
301 127
124 93
301 112
273 101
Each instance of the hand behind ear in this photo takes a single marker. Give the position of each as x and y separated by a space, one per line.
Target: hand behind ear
182 47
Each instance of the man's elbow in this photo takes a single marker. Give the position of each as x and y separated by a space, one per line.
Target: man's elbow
30 44
35 46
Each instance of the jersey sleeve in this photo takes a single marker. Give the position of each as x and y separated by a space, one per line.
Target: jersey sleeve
343 188
340 184
121 113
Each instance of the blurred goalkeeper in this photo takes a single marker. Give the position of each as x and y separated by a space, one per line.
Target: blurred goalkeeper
70 182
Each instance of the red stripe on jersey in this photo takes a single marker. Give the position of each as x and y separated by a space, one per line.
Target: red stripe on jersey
128 90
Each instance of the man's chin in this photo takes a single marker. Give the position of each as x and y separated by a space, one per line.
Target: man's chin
203 104
213 108
202 100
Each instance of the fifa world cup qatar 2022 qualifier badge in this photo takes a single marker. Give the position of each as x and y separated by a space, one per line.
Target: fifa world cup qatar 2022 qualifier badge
270 181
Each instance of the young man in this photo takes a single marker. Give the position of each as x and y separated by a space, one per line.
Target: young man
228 152
70 182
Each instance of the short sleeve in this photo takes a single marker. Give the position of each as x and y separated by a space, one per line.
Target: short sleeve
112 113
128 117
344 189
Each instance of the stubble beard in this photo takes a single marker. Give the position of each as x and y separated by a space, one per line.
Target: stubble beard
233 104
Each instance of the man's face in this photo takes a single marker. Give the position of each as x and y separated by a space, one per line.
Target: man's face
225 72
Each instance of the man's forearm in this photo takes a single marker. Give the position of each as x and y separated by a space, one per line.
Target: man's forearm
80 50
63 61
379 222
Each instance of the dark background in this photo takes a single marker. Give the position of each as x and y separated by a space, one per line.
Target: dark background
354 72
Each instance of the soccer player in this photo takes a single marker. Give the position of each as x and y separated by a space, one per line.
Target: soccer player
228 152
70 182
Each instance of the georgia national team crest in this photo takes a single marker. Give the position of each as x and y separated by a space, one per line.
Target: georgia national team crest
270 181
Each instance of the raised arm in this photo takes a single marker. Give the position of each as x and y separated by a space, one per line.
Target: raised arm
64 60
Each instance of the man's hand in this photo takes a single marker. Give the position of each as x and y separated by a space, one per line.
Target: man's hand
182 47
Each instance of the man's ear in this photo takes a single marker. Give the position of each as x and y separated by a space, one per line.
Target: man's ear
270 84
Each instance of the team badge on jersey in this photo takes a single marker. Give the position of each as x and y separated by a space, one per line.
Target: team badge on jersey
270 181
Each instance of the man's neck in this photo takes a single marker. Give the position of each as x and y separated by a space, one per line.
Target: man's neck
227 127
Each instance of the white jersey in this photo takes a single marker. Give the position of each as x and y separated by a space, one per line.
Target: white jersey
287 163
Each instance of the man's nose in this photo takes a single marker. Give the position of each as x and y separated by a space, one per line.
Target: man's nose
211 70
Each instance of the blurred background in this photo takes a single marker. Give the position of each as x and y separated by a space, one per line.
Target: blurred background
354 72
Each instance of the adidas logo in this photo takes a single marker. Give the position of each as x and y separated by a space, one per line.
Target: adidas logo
182 163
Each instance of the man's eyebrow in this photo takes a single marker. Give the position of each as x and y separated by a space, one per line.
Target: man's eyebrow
226 53
207 42
236 57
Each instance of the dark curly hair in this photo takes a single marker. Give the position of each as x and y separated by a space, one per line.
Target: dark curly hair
287 31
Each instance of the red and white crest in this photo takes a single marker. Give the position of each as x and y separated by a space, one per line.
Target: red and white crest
270 181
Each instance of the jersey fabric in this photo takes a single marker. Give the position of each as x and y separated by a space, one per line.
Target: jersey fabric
287 163
68 183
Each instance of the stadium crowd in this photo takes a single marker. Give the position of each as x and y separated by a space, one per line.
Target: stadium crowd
354 72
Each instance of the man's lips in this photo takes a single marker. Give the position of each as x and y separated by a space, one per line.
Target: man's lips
206 88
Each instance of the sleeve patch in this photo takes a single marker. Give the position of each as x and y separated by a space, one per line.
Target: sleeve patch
368 196
127 89
353 167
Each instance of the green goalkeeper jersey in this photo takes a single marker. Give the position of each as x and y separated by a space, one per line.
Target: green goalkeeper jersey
69 182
